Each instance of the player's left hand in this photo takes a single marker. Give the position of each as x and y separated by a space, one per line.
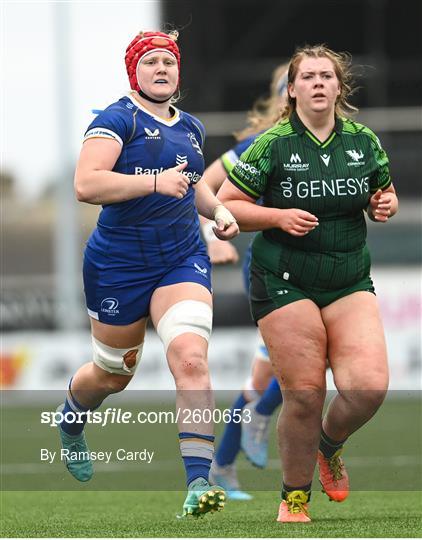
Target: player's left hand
381 205
226 232
226 227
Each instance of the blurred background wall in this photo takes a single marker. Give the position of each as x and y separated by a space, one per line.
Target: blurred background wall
71 61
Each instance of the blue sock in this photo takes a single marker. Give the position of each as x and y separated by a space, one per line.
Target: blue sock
197 452
230 443
74 422
270 399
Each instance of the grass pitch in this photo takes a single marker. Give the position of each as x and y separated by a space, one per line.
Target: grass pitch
141 500
152 514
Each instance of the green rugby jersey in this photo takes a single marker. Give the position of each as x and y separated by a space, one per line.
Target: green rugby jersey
290 168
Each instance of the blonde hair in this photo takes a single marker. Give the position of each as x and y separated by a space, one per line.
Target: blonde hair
342 68
266 112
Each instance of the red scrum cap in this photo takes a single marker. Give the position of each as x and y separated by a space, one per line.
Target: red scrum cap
144 43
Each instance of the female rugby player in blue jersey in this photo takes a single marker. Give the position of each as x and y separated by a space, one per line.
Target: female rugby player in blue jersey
142 161
311 292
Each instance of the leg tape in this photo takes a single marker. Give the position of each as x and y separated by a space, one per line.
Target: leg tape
119 361
187 316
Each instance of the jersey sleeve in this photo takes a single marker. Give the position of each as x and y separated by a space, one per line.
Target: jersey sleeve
251 172
381 179
197 127
229 158
200 130
112 124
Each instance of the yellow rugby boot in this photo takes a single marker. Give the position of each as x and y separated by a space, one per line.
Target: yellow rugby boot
294 509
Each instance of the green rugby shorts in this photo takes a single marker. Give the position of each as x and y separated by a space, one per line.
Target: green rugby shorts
268 292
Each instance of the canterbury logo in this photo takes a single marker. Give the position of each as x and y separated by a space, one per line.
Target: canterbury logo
295 158
150 133
356 156
202 270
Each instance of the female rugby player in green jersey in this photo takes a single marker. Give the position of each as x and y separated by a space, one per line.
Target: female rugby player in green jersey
311 291
260 395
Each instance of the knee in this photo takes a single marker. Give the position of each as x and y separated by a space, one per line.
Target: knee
188 361
374 398
308 400
368 398
366 391
119 362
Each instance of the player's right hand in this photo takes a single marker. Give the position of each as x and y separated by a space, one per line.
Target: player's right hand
173 182
380 203
297 222
222 252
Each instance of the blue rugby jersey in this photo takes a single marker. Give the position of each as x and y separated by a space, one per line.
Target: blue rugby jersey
155 230
229 159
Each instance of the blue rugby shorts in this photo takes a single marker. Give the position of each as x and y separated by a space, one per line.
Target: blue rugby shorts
122 295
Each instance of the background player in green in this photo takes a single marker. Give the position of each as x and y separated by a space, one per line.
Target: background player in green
311 292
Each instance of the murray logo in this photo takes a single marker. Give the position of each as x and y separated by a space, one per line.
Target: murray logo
152 134
326 159
356 158
295 164
109 306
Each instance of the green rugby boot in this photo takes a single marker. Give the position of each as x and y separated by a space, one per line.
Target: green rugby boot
76 455
203 498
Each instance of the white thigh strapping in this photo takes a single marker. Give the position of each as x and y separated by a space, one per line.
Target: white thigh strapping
119 361
187 316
